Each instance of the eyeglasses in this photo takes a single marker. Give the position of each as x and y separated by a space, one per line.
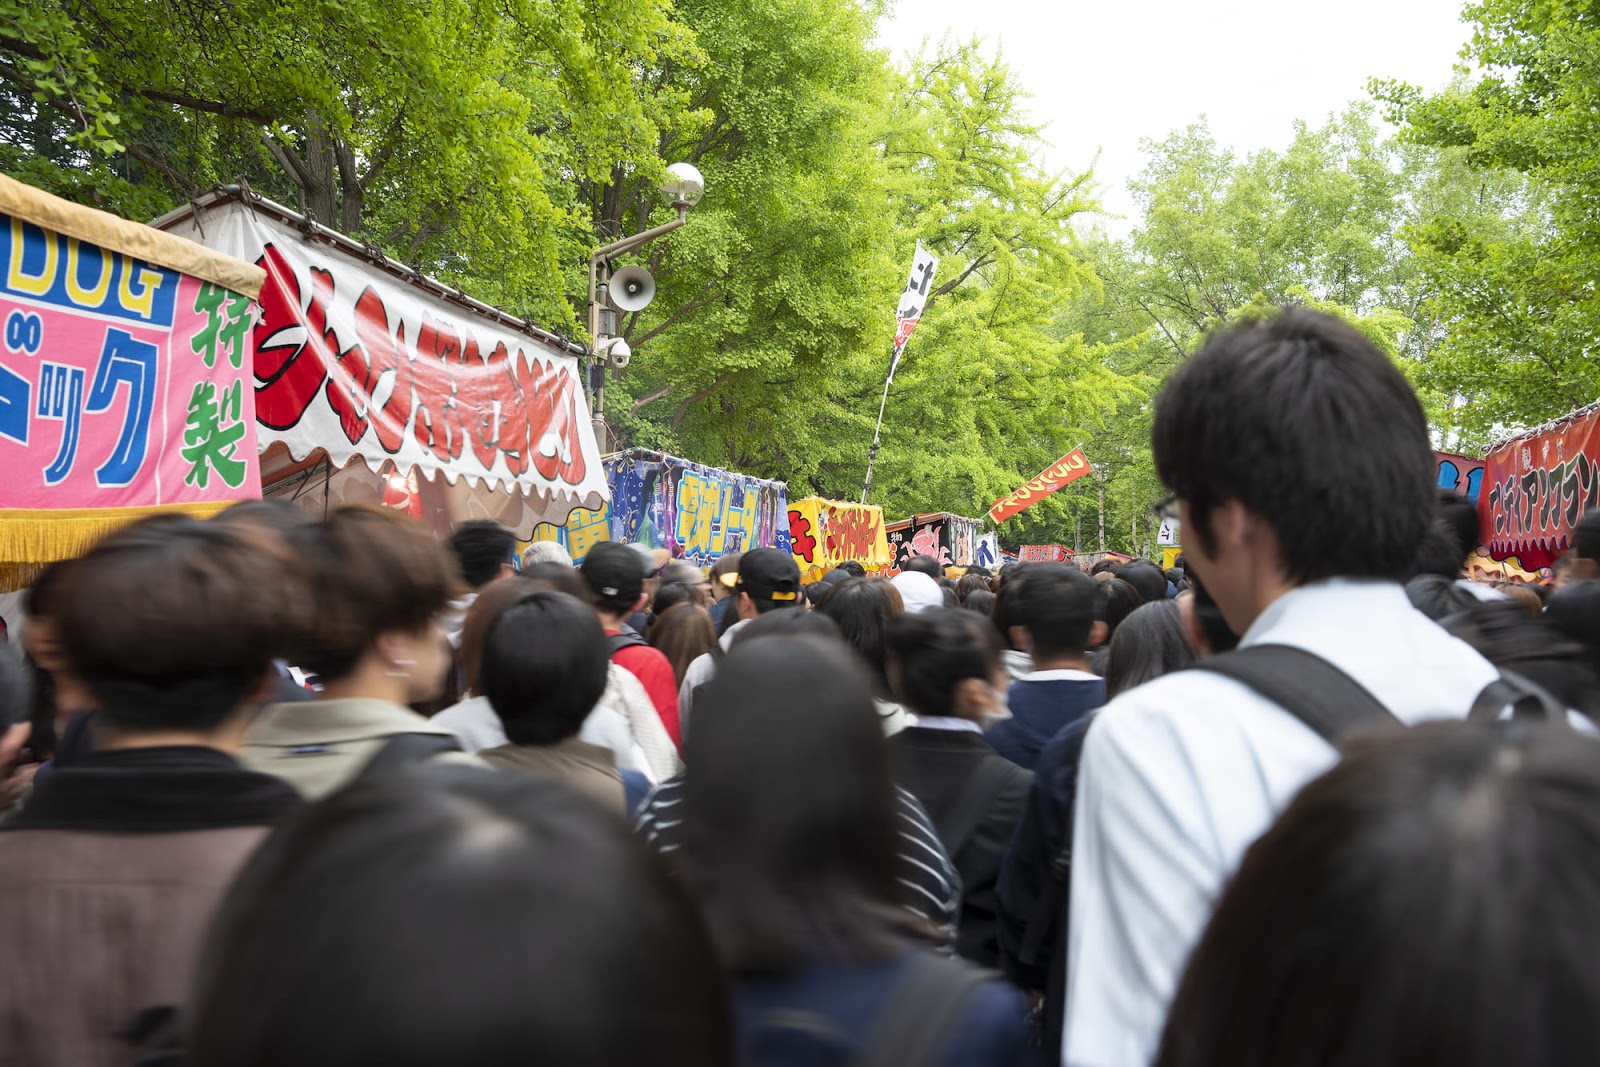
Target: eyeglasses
1165 509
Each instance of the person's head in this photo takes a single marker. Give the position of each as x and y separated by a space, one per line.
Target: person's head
377 583
1438 596
1176 577
969 584
544 667
1105 567
492 599
924 565
918 591
1297 451
1008 572
274 516
980 601
455 915
786 625
817 593
173 624
1149 643
947 662
724 575
689 577
1460 516
615 574
1574 611
1436 553
1053 613
1433 900
852 568
862 608
683 633
769 579
1507 637
670 595
1582 561
1203 624
484 551
1146 579
790 864
1004 612
559 579
1524 596
546 552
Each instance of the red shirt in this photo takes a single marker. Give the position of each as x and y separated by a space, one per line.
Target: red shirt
654 672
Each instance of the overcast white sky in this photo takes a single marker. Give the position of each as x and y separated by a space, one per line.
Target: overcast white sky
1103 75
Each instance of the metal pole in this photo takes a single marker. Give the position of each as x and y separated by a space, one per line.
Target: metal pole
872 453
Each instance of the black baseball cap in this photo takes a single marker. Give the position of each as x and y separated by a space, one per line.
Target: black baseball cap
769 574
615 574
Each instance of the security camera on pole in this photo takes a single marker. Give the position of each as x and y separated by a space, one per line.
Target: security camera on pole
628 289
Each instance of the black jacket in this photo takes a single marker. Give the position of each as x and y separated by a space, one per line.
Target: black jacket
951 772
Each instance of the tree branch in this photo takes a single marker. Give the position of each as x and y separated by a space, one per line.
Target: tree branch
683 408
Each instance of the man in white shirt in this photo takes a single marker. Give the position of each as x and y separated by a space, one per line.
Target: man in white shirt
1301 464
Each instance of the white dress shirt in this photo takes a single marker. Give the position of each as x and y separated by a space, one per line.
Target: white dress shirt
1180 775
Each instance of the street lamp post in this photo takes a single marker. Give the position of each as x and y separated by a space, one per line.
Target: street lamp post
685 186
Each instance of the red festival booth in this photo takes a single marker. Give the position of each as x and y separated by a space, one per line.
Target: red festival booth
1537 485
376 384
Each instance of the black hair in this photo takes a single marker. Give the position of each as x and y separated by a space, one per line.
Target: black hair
417 918
1148 644
791 866
1433 900
681 572
1104 566
277 516
1586 536
1004 613
1437 553
948 594
560 578
1117 600
1176 576
1574 611
670 595
980 601
1506 636
853 568
1438 596
862 608
924 565
1458 515
1146 578
481 548
1298 419
171 621
971 583
1056 605
788 624
544 667
817 593
931 652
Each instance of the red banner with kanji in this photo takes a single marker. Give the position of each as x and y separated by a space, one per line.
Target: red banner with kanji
1064 471
1536 488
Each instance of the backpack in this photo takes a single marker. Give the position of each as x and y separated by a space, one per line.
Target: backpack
1325 699
911 1028
406 750
627 637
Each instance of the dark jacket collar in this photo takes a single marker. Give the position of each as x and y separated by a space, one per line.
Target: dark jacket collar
153 790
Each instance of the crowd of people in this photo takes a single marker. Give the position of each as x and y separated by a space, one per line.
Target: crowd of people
292 792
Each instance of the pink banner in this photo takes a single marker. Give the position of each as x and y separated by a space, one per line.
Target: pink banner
122 384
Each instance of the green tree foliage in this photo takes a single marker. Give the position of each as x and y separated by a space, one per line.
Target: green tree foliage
1515 270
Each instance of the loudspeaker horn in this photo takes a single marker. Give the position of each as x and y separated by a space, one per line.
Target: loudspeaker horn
632 289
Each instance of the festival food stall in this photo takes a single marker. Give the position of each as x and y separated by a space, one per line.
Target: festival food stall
1044 553
825 533
1536 486
950 539
695 512
124 378
376 384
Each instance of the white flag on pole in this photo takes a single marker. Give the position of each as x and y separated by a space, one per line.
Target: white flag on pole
912 301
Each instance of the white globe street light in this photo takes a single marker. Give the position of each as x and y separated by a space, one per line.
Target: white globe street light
684 185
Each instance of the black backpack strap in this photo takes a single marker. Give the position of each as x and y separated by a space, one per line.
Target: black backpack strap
974 802
1047 908
627 637
1320 695
403 750
1525 698
921 1011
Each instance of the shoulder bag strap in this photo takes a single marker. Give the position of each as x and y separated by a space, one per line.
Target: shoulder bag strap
403 750
1320 695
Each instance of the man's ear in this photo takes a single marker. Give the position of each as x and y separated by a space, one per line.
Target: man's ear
638 605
